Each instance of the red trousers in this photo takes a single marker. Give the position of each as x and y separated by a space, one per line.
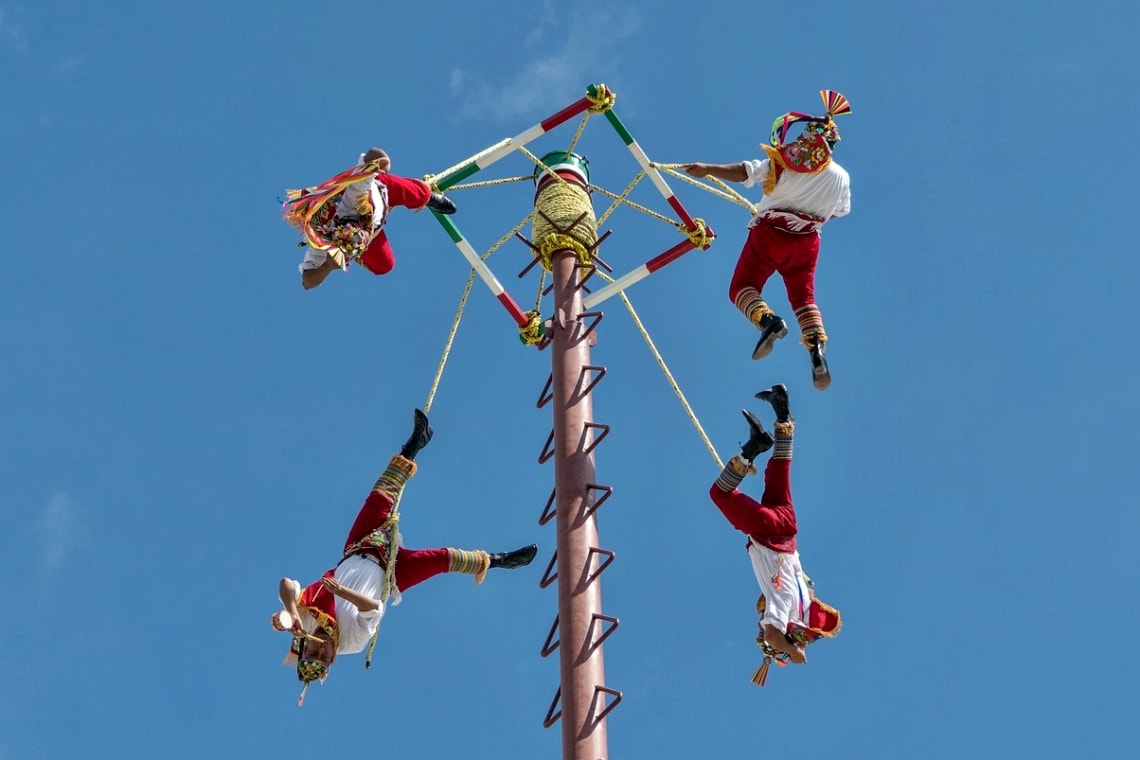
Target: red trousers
379 258
772 520
412 565
770 249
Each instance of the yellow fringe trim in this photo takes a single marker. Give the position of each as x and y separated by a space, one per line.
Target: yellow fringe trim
786 428
472 562
818 335
402 464
741 466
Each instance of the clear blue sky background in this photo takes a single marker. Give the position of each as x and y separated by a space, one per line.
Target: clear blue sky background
181 424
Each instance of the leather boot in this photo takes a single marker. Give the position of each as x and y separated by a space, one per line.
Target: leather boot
777 396
759 440
820 375
772 328
518 558
419 438
441 203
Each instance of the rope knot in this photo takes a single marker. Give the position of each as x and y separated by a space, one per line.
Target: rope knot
601 98
534 331
701 235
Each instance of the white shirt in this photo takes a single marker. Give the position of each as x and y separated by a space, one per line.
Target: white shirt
354 627
792 600
826 194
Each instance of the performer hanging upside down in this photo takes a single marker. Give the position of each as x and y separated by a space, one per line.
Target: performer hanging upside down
803 188
791 616
343 218
340 613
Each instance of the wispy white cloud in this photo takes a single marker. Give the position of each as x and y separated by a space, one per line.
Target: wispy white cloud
569 49
60 531
12 35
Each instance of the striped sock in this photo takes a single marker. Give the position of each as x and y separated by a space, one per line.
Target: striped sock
733 473
475 562
395 476
751 305
811 325
784 439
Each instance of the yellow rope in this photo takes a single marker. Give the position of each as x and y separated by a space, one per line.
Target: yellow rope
578 134
620 199
668 375
636 206
431 178
725 191
490 183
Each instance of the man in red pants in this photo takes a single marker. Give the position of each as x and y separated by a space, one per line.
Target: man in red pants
339 613
791 616
803 188
358 224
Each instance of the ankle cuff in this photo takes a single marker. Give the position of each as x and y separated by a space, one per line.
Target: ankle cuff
475 562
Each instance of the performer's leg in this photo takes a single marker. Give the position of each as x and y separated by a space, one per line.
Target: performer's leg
417 565
777 475
799 278
758 519
379 503
745 513
379 258
753 269
404 191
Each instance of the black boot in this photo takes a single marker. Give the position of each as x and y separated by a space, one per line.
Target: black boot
777 396
820 375
441 203
772 328
518 558
419 438
759 440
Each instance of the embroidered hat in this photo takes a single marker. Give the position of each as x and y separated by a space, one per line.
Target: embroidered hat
823 621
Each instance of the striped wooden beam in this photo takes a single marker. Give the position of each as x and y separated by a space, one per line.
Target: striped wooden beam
638 274
482 269
504 148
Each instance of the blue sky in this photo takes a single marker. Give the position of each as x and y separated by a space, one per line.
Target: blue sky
182 424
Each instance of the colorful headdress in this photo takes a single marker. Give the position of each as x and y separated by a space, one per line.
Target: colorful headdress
835 105
309 669
823 621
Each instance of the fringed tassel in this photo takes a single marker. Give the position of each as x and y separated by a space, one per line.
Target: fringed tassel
476 562
811 325
733 473
760 677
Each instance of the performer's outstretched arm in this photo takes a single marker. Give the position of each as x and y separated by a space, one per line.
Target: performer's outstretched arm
731 172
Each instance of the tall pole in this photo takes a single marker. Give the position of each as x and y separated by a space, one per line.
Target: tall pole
565 233
582 665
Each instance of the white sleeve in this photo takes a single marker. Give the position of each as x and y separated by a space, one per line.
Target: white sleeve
844 206
313 260
757 170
